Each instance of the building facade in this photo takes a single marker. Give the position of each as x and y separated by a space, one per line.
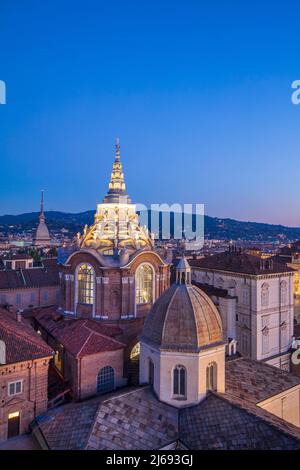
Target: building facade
261 318
192 395
24 362
30 287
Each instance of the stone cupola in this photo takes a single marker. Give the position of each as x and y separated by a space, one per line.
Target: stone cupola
182 343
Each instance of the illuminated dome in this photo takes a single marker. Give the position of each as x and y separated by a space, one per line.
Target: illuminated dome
183 318
116 227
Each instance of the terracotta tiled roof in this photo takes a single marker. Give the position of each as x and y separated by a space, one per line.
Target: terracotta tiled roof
41 277
79 336
239 263
11 280
29 278
21 341
256 381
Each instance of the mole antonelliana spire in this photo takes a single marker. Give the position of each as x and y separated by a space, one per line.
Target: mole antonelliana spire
42 237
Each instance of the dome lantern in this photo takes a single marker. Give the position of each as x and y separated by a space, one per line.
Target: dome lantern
183 272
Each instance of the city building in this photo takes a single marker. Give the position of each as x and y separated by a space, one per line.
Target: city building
88 355
29 286
258 307
24 361
17 261
191 395
290 256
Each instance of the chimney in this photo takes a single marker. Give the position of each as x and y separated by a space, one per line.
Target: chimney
2 352
19 315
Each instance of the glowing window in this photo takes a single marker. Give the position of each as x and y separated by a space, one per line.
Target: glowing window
179 381
135 352
86 284
144 284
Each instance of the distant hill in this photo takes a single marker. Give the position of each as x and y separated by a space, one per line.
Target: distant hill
214 227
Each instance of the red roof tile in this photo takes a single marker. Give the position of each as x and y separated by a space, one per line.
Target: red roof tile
239 262
79 336
21 341
29 278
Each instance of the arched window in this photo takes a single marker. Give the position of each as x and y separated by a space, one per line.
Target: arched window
283 293
86 284
106 380
211 376
179 381
135 352
265 295
144 284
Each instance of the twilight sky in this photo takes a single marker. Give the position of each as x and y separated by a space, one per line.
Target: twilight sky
199 93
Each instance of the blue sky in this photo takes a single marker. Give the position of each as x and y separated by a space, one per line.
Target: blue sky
198 92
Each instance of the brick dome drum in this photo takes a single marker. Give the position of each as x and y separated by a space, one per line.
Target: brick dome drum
183 319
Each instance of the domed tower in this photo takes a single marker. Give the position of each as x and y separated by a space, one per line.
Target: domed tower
182 349
116 227
42 237
114 273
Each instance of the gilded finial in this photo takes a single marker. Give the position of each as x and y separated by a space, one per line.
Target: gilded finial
117 148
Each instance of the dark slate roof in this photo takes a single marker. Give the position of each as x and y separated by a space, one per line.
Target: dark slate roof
81 337
220 424
68 426
21 341
239 262
134 420
256 381
211 290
